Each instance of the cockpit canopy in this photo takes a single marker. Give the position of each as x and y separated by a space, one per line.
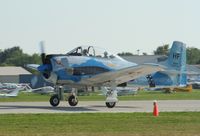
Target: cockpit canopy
90 51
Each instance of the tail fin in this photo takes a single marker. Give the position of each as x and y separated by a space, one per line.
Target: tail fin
177 61
177 56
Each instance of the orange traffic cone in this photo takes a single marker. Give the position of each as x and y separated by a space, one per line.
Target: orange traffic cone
155 108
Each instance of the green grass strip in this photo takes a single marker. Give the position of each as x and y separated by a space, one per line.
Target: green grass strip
142 95
101 124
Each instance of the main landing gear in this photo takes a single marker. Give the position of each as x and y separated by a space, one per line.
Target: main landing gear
56 98
111 97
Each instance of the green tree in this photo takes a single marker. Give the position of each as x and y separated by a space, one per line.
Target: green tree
9 53
193 55
36 58
15 57
162 50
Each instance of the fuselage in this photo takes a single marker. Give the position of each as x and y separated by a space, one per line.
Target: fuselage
73 69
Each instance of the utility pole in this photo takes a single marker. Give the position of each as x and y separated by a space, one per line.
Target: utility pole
138 52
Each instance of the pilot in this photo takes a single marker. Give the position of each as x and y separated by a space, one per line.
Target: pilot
105 54
85 52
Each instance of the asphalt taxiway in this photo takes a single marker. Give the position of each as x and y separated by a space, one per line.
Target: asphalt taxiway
99 106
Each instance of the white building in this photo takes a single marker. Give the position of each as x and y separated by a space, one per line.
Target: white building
11 74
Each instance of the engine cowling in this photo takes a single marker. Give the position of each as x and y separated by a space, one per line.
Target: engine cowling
50 77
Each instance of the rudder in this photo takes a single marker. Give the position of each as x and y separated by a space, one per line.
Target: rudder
177 61
177 56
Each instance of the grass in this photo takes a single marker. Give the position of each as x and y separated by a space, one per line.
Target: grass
142 95
26 97
101 124
153 95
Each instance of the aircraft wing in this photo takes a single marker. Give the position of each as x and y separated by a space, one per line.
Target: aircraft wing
123 75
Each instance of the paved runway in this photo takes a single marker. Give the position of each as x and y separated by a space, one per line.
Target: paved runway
99 106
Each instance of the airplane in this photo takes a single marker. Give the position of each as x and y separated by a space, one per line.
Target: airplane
89 66
40 90
9 89
12 93
12 89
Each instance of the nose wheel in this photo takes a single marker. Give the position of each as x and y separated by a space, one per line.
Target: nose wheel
72 100
111 99
110 104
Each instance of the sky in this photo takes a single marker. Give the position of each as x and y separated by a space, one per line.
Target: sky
116 25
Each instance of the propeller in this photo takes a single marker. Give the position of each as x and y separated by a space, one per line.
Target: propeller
45 68
42 49
34 81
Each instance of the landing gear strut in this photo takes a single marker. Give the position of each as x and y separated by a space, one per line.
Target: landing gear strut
111 99
55 99
72 99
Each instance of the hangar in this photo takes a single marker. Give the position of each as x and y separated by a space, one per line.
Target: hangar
11 74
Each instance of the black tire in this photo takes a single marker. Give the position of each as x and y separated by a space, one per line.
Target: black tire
72 100
110 104
54 100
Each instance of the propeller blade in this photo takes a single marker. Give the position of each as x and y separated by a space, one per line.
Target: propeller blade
42 50
34 81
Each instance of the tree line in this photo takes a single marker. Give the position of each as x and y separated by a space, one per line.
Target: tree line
16 57
192 53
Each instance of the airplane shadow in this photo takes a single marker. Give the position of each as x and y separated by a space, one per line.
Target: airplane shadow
61 108
117 106
64 109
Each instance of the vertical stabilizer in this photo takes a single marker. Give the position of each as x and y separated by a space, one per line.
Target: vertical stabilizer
177 56
177 61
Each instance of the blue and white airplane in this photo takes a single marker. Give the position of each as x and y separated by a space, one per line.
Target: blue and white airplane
89 67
